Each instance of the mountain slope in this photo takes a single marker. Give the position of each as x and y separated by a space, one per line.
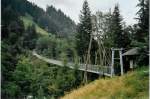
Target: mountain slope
52 20
133 85
27 22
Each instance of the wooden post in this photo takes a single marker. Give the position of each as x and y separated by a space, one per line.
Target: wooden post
87 60
85 72
121 61
112 63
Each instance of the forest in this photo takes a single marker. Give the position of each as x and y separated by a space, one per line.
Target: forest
25 27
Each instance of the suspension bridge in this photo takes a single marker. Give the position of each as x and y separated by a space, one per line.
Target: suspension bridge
101 70
104 58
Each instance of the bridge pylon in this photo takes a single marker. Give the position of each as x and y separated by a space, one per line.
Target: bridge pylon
113 60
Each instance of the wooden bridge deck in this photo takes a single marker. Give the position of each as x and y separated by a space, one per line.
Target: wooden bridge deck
103 70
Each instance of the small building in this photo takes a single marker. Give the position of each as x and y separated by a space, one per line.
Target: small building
131 55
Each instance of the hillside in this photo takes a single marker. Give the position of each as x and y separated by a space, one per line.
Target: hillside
28 21
52 20
133 85
88 46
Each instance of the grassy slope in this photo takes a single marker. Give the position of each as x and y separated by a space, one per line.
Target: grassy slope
28 21
133 85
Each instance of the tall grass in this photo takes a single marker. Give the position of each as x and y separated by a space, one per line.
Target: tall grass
133 85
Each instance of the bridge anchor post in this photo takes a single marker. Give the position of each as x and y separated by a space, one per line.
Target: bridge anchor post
120 58
112 64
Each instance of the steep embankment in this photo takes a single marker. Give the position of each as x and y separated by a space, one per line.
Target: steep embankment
27 20
133 85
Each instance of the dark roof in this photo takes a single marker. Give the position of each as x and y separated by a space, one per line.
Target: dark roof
133 51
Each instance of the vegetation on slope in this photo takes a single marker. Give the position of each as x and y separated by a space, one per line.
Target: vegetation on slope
133 85
28 21
39 79
23 76
54 21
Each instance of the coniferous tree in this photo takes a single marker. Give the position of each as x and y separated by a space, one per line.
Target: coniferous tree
141 35
24 77
84 30
117 27
119 36
143 20
12 30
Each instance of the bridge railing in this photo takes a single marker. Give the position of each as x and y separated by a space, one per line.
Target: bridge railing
102 69
96 68
91 68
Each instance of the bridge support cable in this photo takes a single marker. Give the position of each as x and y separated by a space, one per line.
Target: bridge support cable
104 58
92 69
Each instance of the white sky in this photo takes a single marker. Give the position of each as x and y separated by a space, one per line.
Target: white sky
72 8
